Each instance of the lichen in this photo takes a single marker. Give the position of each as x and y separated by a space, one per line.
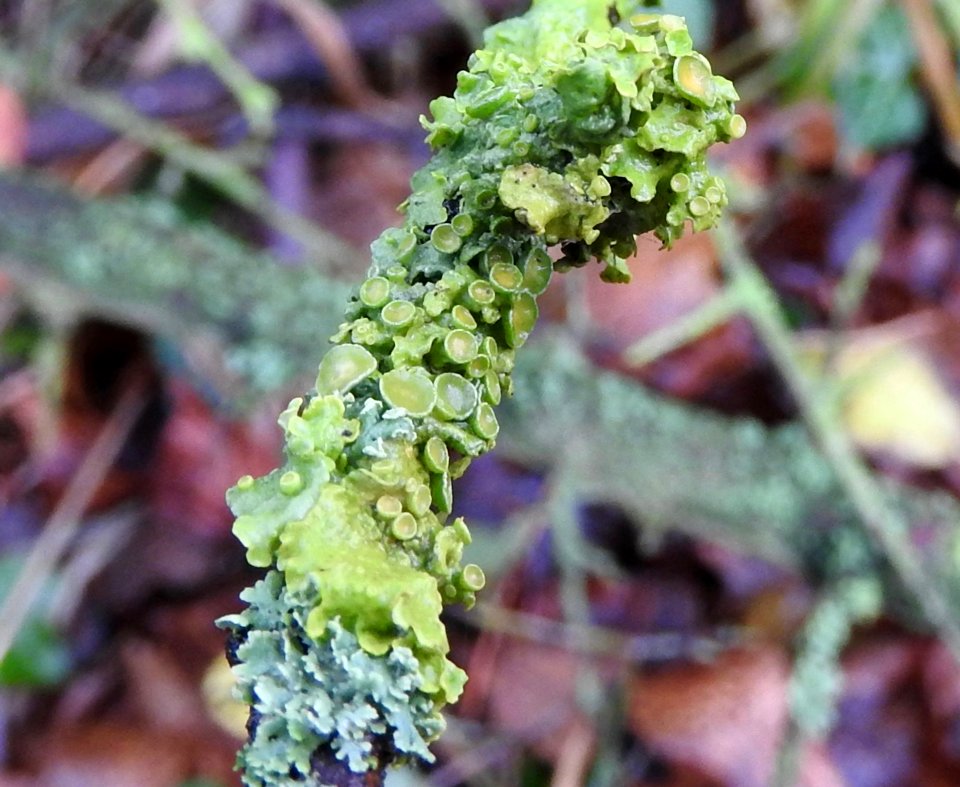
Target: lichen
307 692
565 130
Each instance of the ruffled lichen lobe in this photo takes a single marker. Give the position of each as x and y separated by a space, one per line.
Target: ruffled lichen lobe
565 130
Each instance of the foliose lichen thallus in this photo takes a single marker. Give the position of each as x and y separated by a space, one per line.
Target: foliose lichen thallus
565 132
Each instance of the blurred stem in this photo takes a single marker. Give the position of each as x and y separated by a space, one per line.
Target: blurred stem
324 29
881 520
257 100
471 17
816 682
691 326
594 640
849 293
749 292
569 549
61 527
848 296
741 53
827 29
950 11
788 756
577 748
210 166
938 67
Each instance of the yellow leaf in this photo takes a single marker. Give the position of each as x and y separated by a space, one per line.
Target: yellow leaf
893 400
224 708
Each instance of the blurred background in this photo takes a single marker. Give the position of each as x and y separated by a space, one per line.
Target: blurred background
722 535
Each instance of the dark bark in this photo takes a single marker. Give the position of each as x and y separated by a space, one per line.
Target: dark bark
327 769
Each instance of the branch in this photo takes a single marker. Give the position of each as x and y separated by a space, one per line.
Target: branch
878 516
213 167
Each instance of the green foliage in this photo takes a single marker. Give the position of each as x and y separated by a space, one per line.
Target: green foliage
866 60
565 131
39 656
879 103
309 691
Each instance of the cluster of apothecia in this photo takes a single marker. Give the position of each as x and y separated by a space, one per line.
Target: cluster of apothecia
567 131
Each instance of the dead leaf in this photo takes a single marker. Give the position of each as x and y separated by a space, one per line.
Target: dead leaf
533 696
200 454
160 692
112 755
13 128
894 400
665 285
725 718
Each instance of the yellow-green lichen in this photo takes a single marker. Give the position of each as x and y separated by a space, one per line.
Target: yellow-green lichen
566 130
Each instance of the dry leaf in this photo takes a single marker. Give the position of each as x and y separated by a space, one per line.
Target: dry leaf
13 128
113 755
665 285
726 718
200 454
894 400
533 696
222 706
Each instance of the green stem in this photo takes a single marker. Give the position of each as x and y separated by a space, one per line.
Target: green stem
886 526
208 165
691 326
257 100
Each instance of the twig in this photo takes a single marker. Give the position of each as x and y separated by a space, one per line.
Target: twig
120 159
60 528
102 540
938 69
576 751
330 39
257 100
209 165
887 527
701 320
590 639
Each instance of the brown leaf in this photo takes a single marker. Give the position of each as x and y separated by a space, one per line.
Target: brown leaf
112 755
13 128
199 456
533 696
161 693
665 285
725 718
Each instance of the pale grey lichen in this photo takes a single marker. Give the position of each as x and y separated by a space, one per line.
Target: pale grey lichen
307 694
